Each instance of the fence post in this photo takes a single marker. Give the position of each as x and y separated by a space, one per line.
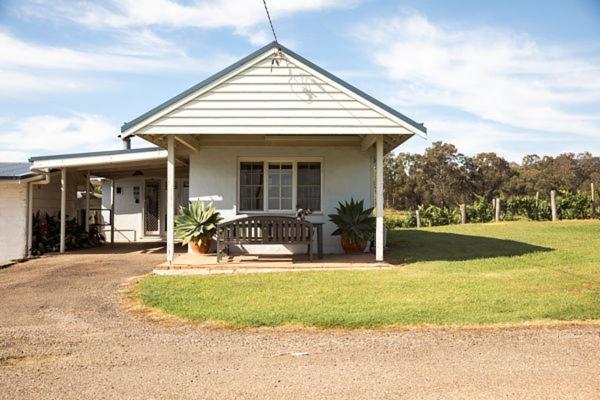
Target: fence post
497 216
553 204
537 198
593 214
463 214
418 216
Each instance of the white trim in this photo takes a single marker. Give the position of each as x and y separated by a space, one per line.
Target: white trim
266 160
379 199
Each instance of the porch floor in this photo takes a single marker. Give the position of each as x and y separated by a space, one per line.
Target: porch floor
196 264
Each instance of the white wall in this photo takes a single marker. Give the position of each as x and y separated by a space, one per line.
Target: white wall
13 221
129 215
346 174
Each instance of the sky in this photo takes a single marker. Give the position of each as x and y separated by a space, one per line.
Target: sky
513 77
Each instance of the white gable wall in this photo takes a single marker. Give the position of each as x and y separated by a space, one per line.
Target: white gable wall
345 170
265 99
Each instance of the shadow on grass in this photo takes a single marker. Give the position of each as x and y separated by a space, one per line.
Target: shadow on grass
412 245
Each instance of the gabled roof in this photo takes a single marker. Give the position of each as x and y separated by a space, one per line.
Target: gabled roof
274 45
15 171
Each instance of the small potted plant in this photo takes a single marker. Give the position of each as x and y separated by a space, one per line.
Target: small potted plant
197 225
355 225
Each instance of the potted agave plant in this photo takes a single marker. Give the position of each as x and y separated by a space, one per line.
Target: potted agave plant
196 226
355 225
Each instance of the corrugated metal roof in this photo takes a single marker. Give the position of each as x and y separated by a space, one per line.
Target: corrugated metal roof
96 153
15 171
248 58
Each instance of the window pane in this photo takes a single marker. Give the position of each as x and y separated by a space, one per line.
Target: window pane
309 185
274 204
251 186
280 186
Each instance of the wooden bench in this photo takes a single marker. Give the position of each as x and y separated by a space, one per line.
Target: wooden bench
263 229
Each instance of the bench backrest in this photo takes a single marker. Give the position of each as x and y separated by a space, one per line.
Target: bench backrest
264 229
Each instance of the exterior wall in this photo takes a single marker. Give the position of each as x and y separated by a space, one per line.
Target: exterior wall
13 221
345 170
129 215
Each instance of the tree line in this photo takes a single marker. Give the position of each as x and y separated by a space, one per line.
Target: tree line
444 177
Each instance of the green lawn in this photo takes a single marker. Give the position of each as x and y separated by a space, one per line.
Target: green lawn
471 274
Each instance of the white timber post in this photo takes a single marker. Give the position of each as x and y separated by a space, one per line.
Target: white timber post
379 199
463 213
29 218
112 210
87 201
63 208
170 197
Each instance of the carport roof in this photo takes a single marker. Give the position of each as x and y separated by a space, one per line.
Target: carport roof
15 171
94 154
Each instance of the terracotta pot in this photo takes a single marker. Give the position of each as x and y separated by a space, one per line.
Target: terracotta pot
201 248
351 247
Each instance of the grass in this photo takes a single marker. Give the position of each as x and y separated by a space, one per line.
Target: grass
455 275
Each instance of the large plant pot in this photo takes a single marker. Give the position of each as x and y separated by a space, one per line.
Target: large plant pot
201 248
351 247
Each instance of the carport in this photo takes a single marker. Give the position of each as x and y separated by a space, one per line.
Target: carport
110 165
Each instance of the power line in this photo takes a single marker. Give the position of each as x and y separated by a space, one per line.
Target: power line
270 22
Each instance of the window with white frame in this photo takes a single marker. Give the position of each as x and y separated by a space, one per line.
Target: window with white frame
279 186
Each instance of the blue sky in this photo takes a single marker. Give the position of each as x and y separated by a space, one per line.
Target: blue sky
512 77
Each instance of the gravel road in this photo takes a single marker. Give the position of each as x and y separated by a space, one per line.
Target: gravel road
65 335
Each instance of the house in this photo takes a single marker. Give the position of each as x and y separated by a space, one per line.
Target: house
266 135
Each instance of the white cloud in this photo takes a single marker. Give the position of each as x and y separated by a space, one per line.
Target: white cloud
48 134
491 74
242 16
27 67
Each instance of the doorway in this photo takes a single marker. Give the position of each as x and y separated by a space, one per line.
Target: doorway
152 208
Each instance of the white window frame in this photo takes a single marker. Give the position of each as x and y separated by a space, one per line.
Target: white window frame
266 160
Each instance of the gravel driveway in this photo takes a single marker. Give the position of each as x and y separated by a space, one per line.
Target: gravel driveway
63 334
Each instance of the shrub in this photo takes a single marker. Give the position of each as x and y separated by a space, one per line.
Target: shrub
480 211
353 221
46 235
196 223
573 205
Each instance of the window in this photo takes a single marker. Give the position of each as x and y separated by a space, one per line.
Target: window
309 186
251 186
279 185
